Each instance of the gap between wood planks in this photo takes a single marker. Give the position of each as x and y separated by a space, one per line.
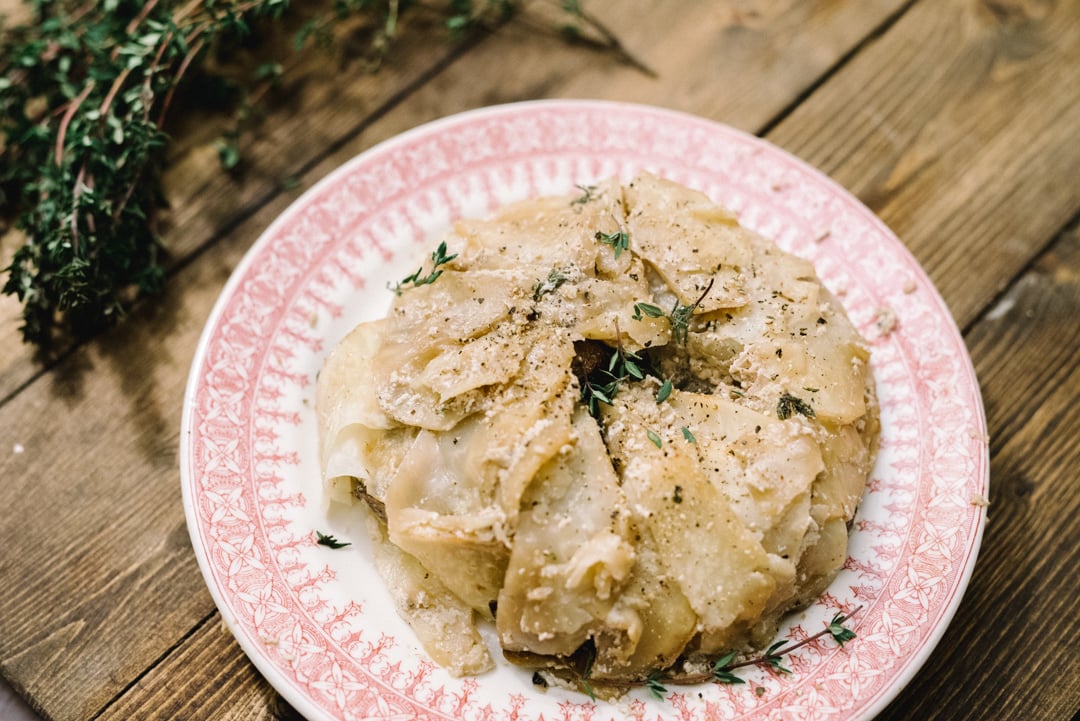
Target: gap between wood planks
1069 226
156 662
836 67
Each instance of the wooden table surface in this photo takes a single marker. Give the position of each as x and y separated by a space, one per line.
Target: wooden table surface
956 121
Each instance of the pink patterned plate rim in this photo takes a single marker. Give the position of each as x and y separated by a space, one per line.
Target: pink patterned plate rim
317 622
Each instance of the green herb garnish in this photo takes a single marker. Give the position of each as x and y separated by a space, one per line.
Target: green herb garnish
656 440
601 386
586 195
664 392
680 315
789 404
329 541
439 257
594 393
688 435
619 240
647 309
721 672
838 631
656 687
555 279
772 657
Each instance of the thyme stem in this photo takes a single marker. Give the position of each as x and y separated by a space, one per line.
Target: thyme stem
655 681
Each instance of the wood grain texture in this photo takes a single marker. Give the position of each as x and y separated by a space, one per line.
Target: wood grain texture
958 128
93 501
99 575
74 643
742 62
208 677
1007 653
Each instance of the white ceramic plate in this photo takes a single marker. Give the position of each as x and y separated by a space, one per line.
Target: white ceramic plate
318 623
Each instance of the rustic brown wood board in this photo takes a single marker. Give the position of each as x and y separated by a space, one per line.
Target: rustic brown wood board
956 121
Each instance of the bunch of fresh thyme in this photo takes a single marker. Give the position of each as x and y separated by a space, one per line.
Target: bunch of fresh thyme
85 88
84 92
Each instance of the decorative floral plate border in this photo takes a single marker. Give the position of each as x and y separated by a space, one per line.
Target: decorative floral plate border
317 622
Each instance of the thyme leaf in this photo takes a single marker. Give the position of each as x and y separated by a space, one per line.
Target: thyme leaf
647 309
585 197
619 240
664 392
325 539
773 656
720 671
840 633
555 279
789 404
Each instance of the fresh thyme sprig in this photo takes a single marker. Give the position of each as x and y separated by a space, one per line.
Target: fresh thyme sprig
585 197
623 366
619 240
555 279
84 91
680 315
722 669
325 539
593 393
439 257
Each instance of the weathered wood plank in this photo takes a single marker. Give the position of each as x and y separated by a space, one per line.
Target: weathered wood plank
209 676
1006 653
958 128
98 571
741 62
